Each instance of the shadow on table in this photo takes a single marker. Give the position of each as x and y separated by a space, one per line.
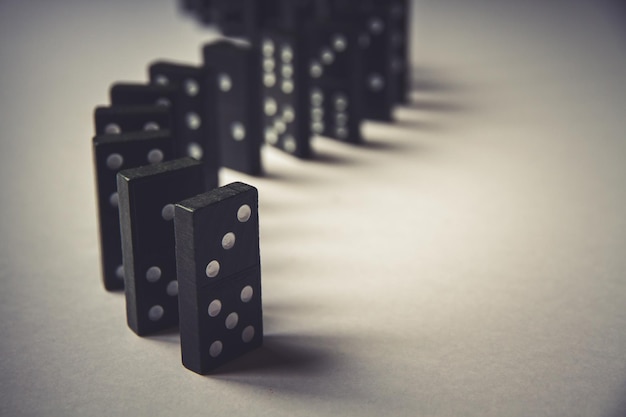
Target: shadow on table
170 336
438 106
281 355
433 91
432 80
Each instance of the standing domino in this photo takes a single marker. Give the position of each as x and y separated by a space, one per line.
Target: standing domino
146 201
336 70
113 152
120 119
219 275
373 19
230 71
185 101
194 106
284 86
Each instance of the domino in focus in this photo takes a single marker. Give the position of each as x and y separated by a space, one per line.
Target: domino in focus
219 275
146 203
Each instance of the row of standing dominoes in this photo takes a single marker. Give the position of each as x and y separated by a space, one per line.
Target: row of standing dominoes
185 251
385 22
326 64
190 257
159 224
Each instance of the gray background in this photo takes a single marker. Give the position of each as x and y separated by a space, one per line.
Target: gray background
468 260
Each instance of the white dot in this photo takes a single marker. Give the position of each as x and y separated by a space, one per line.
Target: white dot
191 87
287 70
317 127
214 308
376 26
280 126
163 102
287 86
114 200
317 114
246 293
316 69
288 114
317 97
212 269
228 241
339 42
341 102
247 334
115 161
341 119
364 41
268 64
269 80
153 274
244 212
161 79
238 131
231 321
112 129
286 54
270 106
376 82
270 135
224 82
290 144
155 155
195 151
193 121
151 126
341 132
327 56
167 212
268 47
215 349
155 313
119 272
172 288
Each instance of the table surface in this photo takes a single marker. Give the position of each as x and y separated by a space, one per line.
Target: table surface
466 260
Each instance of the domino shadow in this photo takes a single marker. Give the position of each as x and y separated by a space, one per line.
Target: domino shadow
435 105
375 144
322 157
273 175
421 125
292 176
431 81
434 84
388 138
289 364
280 355
169 336
418 116
369 141
304 366
373 138
267 174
